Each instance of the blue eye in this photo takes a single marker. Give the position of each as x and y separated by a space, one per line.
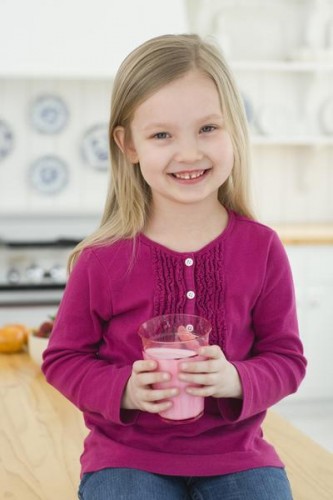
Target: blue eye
161 135
208 128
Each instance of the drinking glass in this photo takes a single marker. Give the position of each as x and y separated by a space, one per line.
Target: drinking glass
170 339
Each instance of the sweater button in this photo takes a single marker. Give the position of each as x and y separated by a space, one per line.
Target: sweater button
190 294
188 262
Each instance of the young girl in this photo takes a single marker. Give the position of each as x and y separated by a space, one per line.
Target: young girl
177 236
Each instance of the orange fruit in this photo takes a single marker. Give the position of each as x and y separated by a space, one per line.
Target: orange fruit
13 337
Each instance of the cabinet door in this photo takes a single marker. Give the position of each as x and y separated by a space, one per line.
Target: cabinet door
318 341
313 274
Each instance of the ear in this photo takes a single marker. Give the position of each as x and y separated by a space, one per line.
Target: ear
126 146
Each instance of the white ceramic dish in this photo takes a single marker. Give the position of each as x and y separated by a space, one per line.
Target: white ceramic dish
49 174
95 147
6 139
49 114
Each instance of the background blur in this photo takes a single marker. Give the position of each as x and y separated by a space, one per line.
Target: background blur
57 62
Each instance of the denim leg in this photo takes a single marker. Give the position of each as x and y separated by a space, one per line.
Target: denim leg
266 483
131 484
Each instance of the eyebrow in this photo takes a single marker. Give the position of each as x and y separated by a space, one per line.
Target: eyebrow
163 125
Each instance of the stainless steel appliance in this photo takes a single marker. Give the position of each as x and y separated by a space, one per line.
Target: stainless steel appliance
32 279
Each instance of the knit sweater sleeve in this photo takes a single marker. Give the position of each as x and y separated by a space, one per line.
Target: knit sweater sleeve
276 365
71 362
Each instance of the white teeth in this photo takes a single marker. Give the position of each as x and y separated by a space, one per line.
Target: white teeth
189 175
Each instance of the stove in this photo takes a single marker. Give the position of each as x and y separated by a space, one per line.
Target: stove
32 274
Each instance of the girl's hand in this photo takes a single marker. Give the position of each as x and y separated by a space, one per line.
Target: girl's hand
216 376
139 393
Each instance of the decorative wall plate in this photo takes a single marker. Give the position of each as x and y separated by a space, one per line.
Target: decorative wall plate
326 116
6 139
49 114
49 174
95 147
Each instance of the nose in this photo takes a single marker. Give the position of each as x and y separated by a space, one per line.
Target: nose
188 150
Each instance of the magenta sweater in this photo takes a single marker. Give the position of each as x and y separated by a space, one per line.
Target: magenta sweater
242 283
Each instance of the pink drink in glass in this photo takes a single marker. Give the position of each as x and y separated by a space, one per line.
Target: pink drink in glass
171 339
184 405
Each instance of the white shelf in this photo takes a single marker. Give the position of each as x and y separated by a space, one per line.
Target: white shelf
54 74
64 73
46 213
258 140
284 66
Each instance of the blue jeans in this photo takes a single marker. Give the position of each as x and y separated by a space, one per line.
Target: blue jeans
266 483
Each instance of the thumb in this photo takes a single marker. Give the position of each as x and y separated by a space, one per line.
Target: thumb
212 351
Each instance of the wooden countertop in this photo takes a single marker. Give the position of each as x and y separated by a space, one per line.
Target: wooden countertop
42 436
305 234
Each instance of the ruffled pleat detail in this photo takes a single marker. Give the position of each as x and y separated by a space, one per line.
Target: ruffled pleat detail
209 278
210 286
170 292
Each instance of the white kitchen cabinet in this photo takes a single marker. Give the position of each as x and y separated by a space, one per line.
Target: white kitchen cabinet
312 267
281 52
72 38
291 124
290 111
288 103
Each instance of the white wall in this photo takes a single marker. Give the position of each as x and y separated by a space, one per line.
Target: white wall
75 37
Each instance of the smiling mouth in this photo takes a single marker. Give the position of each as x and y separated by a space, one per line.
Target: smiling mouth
189 175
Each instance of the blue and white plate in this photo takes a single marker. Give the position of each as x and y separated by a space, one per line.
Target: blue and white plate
6 139
49 174
95 147
49 114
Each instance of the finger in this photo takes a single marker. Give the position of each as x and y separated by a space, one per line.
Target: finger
207 366
211 351
202 391
157 407
199 379
153 395
144 365
149 378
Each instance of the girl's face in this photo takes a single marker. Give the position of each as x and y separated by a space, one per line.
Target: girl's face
179 139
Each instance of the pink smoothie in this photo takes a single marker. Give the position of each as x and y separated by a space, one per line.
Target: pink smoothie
184 405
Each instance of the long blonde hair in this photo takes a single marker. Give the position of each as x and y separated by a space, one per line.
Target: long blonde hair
144 71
